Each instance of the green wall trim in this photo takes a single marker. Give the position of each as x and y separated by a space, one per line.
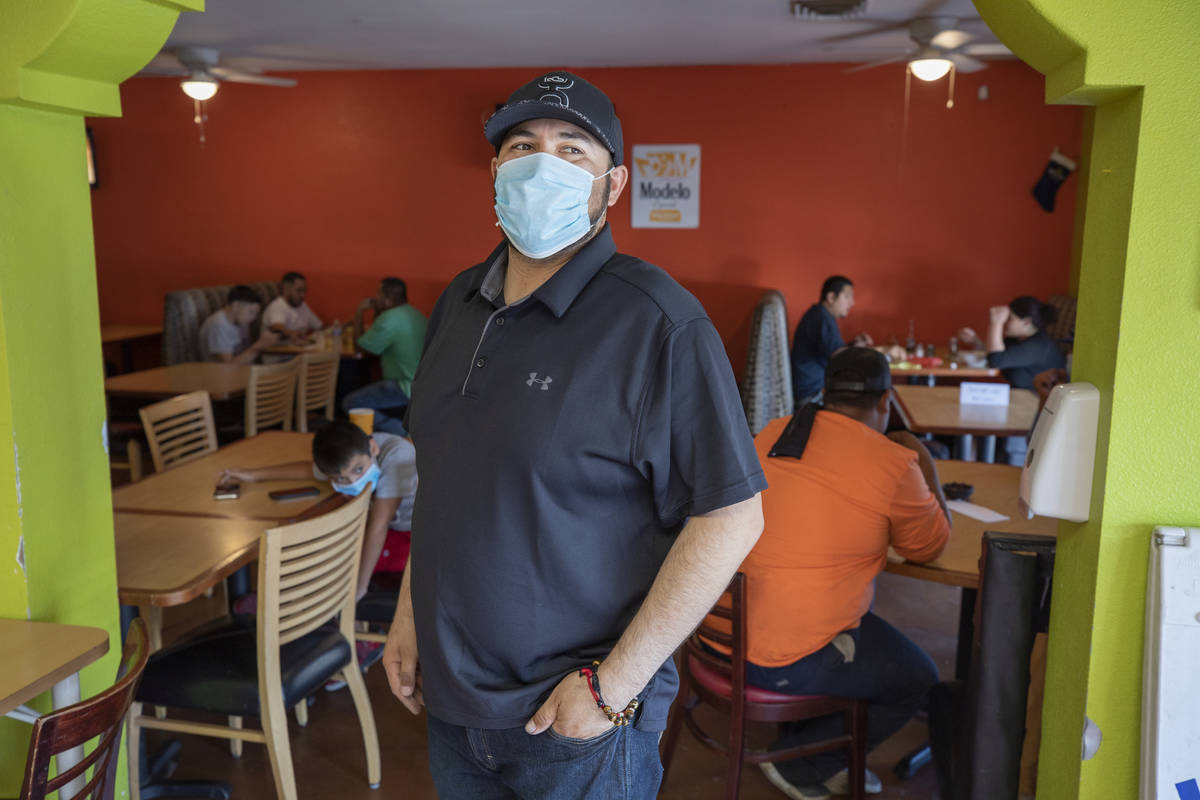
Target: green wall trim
59 60
1137 335
71 55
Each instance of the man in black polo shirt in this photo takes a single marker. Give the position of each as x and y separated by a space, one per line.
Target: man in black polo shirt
588 481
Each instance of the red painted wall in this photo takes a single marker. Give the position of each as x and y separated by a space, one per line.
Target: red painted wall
806 172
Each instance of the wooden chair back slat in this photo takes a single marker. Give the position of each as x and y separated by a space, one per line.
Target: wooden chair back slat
270 396
299 580
297 551
101 716
316 386
312 613
310 592
180 429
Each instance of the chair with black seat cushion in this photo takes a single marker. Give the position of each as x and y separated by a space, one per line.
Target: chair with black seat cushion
721 683
304 636
101 716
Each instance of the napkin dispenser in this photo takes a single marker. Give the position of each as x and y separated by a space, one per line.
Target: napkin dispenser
1057 478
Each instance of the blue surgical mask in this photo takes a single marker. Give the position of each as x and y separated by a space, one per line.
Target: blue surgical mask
371 476
542 203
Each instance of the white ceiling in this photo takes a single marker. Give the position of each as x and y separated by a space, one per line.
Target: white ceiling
287 35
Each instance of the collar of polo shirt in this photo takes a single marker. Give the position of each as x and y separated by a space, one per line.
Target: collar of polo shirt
564 286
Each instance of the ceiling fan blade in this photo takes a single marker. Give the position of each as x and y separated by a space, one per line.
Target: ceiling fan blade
951 40
237 76
150 70
987 49
873 64
966 64
879 27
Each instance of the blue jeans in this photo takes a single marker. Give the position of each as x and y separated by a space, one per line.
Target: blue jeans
380 396
476 764
880 664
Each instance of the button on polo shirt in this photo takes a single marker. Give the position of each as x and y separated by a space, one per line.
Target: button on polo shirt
562 442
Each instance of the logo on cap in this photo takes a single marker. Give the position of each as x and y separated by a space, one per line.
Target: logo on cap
556 89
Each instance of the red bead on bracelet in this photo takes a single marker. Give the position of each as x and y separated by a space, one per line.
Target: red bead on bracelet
625 716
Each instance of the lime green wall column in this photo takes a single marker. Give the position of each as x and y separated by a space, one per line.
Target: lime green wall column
59 60
1137 339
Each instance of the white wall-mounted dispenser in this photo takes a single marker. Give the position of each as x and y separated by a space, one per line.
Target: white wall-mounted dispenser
1057 478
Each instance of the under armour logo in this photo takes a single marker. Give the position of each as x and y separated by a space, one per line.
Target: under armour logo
556 89
545 382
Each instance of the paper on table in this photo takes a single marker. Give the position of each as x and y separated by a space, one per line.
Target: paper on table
980 513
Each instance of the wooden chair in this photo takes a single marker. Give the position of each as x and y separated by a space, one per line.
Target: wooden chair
721 683
305 635
179 430
128 433
101 716
270 396
316 385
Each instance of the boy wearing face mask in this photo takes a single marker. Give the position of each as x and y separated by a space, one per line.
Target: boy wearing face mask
354 462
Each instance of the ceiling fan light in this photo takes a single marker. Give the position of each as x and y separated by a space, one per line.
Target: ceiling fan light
930 69
199 89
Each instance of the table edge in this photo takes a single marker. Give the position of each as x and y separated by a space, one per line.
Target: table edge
46 682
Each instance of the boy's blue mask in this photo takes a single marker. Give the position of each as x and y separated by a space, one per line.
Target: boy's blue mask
371 476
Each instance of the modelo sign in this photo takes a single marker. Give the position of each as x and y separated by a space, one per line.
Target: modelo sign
666 186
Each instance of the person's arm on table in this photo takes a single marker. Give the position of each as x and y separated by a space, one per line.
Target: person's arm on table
383 509
268 338
292 471
926 463
696 571
400 652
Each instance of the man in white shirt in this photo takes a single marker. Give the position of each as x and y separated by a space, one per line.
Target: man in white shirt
288 314
225 335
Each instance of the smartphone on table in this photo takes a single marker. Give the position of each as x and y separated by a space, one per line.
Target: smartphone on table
297 493
227 490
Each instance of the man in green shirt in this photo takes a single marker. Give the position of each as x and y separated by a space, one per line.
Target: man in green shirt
396 336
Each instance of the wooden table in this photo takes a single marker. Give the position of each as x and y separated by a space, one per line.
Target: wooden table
936 410
221 381
347 350
46 655
169 559
126 334
41 655
187 490
996 487
952 370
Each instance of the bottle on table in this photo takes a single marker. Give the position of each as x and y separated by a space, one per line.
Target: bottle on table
910 344
335 335
953 346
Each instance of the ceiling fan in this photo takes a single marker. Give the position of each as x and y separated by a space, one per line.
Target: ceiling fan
200 67
938 43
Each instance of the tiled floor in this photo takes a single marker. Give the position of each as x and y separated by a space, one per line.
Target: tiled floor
329 758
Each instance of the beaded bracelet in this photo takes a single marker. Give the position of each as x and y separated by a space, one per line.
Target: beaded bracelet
592 676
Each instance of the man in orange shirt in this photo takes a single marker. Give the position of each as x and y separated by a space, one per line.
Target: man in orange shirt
841 493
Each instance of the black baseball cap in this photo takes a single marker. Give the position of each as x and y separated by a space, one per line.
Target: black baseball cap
560 95
858 369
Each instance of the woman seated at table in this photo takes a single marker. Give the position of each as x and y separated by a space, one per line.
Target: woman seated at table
1016 341
1018 346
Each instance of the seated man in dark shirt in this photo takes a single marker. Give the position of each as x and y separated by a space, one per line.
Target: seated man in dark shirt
817 338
